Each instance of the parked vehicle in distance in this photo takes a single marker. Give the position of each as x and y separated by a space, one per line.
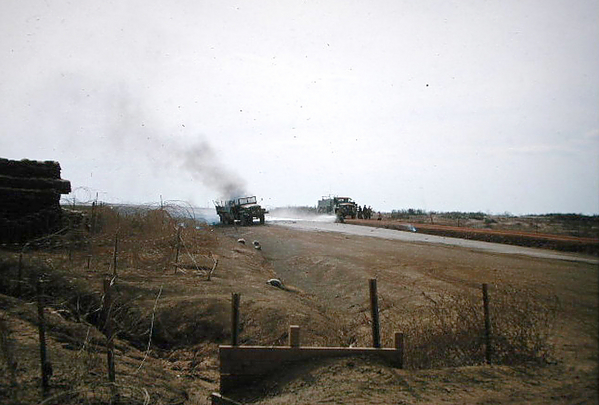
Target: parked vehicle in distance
340 206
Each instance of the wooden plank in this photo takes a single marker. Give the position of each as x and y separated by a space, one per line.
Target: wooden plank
248 360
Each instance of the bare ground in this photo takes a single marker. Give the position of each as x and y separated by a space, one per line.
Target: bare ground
326 275
334 269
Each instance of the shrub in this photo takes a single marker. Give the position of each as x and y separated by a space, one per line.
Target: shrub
449 330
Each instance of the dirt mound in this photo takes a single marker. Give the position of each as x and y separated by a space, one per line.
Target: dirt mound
368 381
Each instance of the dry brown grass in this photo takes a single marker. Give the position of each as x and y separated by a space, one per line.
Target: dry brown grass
449 330
446 331
73 264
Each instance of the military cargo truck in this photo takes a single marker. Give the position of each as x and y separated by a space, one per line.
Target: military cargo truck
242 210
340 206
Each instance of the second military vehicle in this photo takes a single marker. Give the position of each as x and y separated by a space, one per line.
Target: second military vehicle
340 206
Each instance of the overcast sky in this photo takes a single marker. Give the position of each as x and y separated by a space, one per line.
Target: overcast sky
441 105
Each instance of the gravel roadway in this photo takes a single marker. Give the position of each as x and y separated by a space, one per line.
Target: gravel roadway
407 236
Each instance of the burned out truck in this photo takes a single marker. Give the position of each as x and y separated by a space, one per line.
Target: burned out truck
340 206
242 210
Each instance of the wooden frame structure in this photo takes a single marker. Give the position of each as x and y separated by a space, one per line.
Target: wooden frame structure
244 365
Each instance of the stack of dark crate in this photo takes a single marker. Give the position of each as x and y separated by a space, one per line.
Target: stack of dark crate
30 199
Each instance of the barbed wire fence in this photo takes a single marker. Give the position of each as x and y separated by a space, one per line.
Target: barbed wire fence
89 245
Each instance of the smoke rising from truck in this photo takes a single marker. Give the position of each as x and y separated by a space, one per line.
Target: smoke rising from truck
202 162
109 121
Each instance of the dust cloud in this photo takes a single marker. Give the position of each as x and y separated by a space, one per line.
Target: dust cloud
291 214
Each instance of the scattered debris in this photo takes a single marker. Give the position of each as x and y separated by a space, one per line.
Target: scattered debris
241 240
257 245
275 282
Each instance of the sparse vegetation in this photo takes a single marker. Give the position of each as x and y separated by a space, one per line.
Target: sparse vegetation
577 225
169 314
449 330
73 265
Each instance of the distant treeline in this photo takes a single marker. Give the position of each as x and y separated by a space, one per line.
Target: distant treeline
411 212
569 217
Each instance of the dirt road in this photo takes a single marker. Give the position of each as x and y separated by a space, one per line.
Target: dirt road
408 236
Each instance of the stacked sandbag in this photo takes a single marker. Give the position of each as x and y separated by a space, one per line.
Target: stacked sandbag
30 199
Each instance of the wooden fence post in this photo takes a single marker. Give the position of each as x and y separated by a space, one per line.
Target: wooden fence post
399 344
294 336
93 219
374 306
234 319
20 275
46 368
115 254
178 247
69 240
108 329
487 324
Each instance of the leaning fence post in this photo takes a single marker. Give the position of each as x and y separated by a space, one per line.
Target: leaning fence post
487 324
234 319
374 306
45 365
108 329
